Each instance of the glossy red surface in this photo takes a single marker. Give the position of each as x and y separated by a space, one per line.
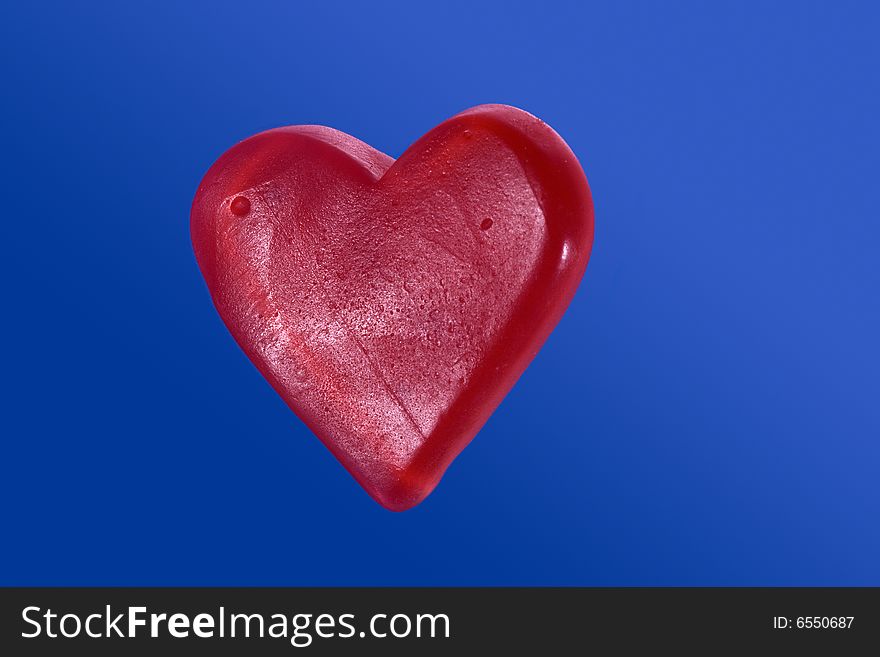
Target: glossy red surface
393 304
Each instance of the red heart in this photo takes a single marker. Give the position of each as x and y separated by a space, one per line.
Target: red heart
393 304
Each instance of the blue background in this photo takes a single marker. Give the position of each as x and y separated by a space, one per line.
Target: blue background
705 413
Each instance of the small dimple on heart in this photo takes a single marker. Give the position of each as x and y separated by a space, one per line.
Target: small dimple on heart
240 206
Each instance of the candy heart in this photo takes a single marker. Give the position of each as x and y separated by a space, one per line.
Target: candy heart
393 304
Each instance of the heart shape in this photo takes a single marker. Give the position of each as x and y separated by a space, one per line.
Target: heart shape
393 304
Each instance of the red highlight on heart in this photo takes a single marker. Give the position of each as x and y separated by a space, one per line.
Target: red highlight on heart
393 304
